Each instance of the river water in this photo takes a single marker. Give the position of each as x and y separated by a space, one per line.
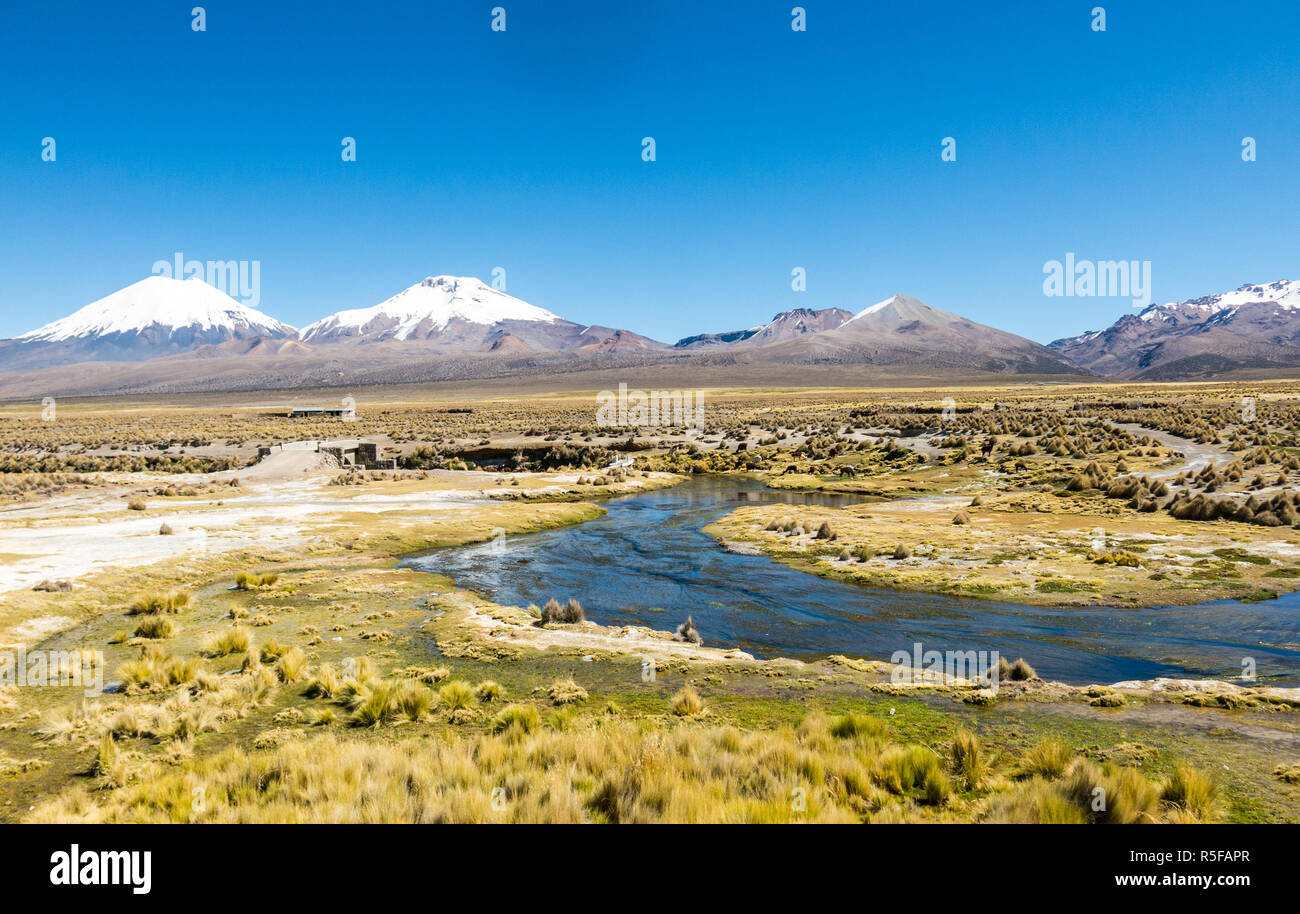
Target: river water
647 562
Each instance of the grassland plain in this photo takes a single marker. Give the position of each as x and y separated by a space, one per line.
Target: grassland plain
281 666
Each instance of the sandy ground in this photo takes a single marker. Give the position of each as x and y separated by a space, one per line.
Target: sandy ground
277 504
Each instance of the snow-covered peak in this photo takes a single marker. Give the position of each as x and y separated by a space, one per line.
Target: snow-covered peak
897 308
430 305
159 301
874 309
1284 293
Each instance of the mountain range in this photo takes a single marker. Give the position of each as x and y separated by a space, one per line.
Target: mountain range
1255 329
163 334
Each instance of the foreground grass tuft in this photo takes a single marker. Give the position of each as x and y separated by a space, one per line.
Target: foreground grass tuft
147 604
1047 759
687 703
231 641
597 768
566 691
1193 792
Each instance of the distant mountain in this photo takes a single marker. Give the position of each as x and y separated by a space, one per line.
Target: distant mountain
607 339
457 314
787 325
1255 329
186 336
154 317
438 307
906 332
261 347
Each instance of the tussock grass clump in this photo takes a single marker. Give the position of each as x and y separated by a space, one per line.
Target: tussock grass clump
135 503
107 759
327 682
1193 793
907 770
1047 759
1107 793
516 720
156 669
247 580
568 614
1289 774
147 604
165 530
562 719
489 691
413 700
426 674
155 627
292 665
566 691
233 640
961 518
968 759
457 695
374 705
1107 700
860 727
687 703
359 669
271 650
1036 802
319 717
1111 794
1019 671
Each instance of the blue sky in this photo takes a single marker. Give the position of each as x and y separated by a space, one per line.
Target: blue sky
775 149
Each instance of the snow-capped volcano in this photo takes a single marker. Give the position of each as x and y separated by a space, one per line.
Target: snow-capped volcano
1284 294
426 310
463 315
1255 327
161 306
154 317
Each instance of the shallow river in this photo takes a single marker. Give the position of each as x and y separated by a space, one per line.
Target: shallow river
647 562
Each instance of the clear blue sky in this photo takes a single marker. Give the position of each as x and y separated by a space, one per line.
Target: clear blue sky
775 149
